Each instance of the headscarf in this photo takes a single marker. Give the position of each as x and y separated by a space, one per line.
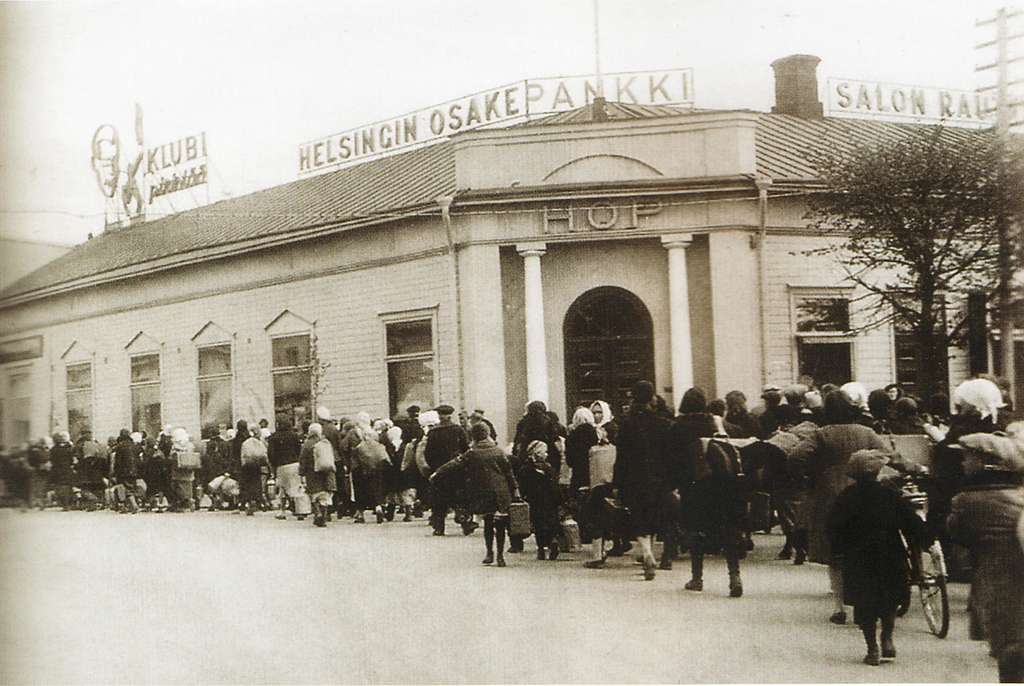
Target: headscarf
606 412
429 418
856 392
813 400
533 451
981 394
315 429
136 437
864 465
582 416
179 435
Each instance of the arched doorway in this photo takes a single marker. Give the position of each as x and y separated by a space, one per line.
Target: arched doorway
609 346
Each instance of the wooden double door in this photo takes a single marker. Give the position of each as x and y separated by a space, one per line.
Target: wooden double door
609 346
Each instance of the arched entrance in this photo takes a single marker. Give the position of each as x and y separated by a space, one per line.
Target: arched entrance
609 346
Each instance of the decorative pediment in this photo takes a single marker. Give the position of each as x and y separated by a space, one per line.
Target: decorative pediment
211 334
602 167
76 352
288 322
142 342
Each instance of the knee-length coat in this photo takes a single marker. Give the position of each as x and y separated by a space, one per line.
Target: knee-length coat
864 534
985 518
644 469
823 456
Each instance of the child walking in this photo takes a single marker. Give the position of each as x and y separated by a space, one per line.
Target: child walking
864 530
490 485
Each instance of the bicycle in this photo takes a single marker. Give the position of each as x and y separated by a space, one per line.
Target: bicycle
927 566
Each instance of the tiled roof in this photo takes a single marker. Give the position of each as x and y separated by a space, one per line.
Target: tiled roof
785 147
375 188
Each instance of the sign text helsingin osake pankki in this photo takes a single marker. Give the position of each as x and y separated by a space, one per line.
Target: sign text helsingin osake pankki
506 104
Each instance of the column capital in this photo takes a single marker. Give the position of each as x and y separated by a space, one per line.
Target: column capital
537 248
676 240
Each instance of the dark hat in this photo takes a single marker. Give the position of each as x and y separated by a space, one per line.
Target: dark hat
413 408
445 409
864 465
643 392
999 451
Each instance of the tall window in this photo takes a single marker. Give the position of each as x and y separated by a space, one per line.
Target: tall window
215 405
17 408
79 398
411 363
145 387
292 378
823 336
907 353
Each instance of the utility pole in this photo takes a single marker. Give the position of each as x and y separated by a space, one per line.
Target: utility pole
1004 120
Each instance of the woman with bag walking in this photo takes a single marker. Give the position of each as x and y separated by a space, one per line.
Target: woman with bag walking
317 470
252 453
490 485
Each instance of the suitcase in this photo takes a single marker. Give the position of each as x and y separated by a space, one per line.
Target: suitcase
569 536
519 519
302 504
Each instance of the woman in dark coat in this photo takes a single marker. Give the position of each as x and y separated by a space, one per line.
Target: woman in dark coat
643 469
693 423
822 457
864 531
320 485
988 517
582 437
62 470
490 486
539 485
536 425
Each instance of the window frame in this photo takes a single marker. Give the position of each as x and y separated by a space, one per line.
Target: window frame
894 336
230 375
276 371
799 292
132 385
428 314
90 390
5 414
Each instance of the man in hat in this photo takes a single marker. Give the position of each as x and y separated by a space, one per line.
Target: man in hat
445 442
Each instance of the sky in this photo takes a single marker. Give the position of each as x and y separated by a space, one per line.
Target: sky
259 78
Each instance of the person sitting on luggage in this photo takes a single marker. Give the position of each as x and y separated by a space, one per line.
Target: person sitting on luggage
539 486
490 486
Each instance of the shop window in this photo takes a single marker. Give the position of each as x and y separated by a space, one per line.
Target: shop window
79 398
291 369
824 340
411 363
215 386
17 423
145 389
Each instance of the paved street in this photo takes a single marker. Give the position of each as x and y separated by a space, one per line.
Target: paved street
222 598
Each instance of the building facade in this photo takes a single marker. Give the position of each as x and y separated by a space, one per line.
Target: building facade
559 260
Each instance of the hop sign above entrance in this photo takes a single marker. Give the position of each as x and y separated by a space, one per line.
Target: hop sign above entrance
503 105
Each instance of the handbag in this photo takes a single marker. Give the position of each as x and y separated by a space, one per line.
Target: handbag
302 504
519 518
323 456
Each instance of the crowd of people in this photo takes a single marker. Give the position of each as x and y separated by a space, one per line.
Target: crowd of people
700 480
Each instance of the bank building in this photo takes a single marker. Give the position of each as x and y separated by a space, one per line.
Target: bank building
560 259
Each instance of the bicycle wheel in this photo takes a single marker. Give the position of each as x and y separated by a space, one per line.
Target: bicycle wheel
934 597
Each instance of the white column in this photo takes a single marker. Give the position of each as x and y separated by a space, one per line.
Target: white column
536 346
679 315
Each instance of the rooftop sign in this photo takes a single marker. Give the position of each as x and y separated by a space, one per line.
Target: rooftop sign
507 104
910 104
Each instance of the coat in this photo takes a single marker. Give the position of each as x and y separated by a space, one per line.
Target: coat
863 530
577 454
316 482
62 461
539 486
822 456
445 442
714 503
488 475
984 518
643 469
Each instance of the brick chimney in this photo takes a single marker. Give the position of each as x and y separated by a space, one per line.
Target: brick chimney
796 86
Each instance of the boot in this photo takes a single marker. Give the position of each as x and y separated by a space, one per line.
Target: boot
553 550
696 582
735 585
786 552
358 518
800 557
408 514
888 649
872 658
489 558
540 553
389 513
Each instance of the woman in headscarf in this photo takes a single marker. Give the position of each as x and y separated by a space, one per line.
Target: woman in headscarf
536 425
822 456
539 485
604 420
643 470
369 468
582 437
858 395
246 452
977 403
864 530
988 517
